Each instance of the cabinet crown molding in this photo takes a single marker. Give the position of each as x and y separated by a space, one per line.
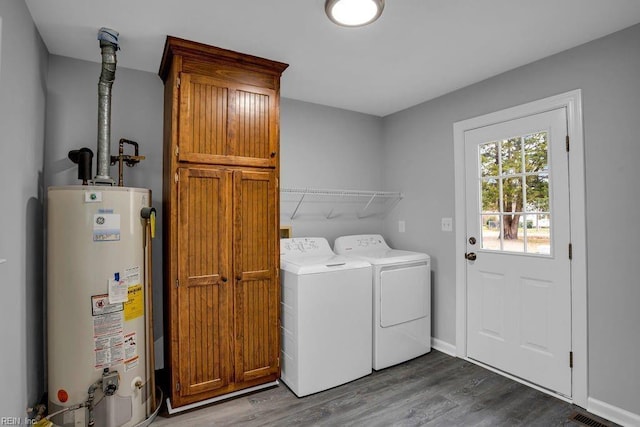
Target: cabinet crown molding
175 46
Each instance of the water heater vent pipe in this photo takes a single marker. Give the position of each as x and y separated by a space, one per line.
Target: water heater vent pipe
108 45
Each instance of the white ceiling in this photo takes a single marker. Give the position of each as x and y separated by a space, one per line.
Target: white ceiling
417 50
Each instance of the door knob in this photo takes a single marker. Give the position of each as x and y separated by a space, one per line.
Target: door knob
471 256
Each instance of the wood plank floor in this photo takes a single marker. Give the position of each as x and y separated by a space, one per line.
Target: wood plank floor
432 390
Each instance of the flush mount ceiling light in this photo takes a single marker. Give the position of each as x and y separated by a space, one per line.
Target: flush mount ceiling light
353 13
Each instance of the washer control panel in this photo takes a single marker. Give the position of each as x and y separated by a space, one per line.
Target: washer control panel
305 246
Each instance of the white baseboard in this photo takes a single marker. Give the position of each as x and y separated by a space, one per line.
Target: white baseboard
612 413
444 347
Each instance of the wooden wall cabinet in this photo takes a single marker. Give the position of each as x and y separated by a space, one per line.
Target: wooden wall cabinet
227 123
221 214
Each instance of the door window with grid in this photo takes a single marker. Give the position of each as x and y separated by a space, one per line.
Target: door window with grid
514 183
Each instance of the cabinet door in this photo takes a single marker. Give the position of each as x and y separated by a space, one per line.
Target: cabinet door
227 123
204 294
257 296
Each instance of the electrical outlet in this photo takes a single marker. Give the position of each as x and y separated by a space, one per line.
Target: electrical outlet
447 224
401 226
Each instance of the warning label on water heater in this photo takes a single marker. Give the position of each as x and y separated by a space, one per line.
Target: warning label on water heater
108 339
134 307
131 357
107 357
106 227
100 305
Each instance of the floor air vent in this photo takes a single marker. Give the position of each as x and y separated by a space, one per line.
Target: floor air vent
586 420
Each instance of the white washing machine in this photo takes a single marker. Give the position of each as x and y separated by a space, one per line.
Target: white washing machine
325 316
401 298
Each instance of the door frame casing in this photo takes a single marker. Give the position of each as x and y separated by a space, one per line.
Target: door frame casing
572 102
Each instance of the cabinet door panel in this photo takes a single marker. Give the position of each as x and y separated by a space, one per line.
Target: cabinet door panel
204 119
227 123
254 121
256 301
204 297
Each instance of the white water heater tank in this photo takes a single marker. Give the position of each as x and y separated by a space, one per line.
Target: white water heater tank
97 304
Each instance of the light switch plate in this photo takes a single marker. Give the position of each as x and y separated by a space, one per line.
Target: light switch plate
447 224
401 226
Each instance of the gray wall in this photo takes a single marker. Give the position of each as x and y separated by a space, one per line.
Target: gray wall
419 159
23 64
329 148
136 114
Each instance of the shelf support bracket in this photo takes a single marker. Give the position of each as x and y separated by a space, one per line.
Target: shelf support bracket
369 203
293 215
361 214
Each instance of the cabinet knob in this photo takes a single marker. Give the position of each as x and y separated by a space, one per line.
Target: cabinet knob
238 278
273 154
224 279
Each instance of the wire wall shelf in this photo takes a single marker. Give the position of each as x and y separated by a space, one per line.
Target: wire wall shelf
339 202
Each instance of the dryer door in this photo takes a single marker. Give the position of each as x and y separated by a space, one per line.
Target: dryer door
404 294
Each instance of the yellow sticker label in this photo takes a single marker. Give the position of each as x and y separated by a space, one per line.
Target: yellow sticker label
134 307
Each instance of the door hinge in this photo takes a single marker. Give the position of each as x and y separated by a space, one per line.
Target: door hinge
178 386
571 359
177 150
567 142
178 82
570 251
177 283
278 362
175 177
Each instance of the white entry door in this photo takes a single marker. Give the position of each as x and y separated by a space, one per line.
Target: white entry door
518 249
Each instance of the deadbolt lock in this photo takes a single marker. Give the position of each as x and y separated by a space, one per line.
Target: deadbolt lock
472 240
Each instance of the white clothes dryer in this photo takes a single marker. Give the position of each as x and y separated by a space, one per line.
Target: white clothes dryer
325 316
401 284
